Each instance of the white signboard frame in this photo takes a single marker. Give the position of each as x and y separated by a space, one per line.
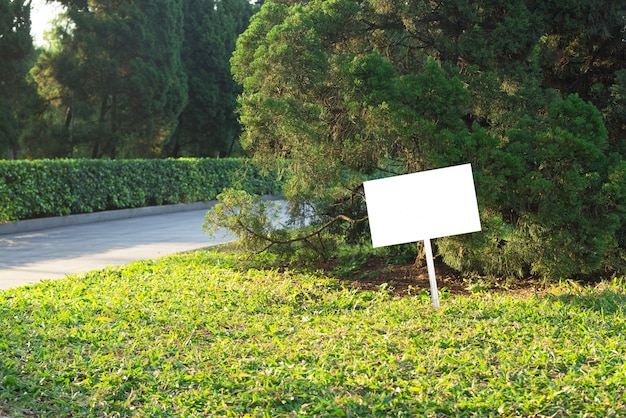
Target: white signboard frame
422 206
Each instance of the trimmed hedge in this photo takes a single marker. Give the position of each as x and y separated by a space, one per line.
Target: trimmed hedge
40 188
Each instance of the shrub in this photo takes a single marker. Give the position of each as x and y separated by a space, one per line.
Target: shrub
562 210
32 189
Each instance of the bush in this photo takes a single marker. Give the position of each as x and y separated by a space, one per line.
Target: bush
562 209
32 189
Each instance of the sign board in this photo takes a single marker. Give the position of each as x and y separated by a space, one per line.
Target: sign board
421 206
424 205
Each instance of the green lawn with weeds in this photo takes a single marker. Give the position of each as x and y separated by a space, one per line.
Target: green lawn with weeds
203 334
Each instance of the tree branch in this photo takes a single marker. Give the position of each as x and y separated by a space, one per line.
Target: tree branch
306 237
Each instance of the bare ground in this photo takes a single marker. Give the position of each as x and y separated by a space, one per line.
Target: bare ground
410 279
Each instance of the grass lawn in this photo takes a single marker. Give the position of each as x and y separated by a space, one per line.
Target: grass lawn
199 334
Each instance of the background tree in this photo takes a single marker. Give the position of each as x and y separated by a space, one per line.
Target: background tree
16 49
349 89
208 125
115 76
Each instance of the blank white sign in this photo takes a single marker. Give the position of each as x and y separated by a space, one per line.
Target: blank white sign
429 204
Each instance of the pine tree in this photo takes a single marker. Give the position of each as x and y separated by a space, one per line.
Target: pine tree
344 89
15 51
120 81
208 126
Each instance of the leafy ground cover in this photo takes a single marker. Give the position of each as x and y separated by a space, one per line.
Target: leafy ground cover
211 334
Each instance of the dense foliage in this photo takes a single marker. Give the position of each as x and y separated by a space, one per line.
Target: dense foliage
208 125
116 76
15 50
121 79
531 93
31 189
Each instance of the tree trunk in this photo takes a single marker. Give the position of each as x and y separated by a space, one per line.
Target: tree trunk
95 151
420 260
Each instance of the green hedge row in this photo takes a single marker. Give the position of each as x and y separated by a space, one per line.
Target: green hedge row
40 188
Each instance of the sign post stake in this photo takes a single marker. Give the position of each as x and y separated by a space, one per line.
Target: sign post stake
431 272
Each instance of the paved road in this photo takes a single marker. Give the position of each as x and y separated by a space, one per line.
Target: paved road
30 256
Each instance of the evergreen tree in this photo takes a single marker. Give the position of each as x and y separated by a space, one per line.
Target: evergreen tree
344 88
15 52
208 126
116 76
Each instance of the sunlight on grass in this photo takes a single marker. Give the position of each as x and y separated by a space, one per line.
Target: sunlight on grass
202 334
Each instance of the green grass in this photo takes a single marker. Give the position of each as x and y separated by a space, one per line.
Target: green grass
200 335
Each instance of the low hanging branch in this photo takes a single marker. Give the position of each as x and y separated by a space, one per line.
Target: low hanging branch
247 217
308 236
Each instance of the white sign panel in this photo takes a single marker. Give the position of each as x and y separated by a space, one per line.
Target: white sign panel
424 205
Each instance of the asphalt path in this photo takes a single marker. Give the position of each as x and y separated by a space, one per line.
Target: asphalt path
29 256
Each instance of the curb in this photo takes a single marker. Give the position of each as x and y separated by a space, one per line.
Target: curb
31 225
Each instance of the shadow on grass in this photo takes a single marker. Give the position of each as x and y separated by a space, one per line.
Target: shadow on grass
608 301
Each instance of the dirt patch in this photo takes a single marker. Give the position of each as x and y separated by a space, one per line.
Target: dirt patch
411 279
